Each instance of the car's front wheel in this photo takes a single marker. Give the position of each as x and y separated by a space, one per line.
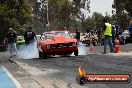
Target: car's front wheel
42 55
76 53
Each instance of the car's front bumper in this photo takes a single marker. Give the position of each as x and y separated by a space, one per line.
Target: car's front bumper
60 51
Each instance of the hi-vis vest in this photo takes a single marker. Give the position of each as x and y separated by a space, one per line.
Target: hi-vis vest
108 30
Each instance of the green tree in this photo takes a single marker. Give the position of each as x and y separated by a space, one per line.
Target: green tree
14 13
123 5
61 12
58 12
81 6
123 12
97 20
89 24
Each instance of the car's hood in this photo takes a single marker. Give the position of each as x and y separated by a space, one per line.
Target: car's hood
59 39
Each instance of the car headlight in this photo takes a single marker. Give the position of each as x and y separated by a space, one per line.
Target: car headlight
74 44
48 46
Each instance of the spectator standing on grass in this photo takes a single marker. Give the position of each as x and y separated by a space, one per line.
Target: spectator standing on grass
107 36
11 39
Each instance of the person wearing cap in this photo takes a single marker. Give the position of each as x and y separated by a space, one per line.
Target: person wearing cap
11 39
107 36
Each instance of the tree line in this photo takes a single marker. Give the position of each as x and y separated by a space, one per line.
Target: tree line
71 13
15 14
21 14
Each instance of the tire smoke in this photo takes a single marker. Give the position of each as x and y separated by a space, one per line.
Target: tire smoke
83 49
28 51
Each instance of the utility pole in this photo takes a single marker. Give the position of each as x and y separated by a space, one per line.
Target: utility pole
48 15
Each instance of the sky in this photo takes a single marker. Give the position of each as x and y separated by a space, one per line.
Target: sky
101 6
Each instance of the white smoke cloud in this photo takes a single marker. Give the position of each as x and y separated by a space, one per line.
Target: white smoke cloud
83 49
28 51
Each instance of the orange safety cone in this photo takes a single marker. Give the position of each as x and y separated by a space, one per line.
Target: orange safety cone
91 49
117 46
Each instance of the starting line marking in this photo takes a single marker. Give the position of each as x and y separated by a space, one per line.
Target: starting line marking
7 80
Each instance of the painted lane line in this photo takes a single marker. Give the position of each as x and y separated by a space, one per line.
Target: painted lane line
14 82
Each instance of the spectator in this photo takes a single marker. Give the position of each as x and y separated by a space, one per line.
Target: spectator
30 36
77 35
114 32
11 39
99 35
108 36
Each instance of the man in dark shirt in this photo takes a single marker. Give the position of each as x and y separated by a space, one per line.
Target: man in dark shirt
29 36
77 35
11 38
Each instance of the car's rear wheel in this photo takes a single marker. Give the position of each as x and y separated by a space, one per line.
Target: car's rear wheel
44 55
76 53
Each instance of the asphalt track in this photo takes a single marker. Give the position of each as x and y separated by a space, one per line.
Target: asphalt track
60 71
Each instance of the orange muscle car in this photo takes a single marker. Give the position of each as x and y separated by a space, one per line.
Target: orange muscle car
57 43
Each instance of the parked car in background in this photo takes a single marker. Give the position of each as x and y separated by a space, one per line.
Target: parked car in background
57 43
20 40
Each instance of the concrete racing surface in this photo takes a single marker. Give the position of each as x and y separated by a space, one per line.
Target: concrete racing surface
60 71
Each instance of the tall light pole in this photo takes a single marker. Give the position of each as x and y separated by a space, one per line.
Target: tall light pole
47 14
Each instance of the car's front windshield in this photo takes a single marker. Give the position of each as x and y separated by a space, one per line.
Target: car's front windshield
51 35
66 34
